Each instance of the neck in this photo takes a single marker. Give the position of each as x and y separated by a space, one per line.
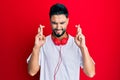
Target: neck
65 35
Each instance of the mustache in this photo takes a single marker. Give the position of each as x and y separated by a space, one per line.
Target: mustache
58 29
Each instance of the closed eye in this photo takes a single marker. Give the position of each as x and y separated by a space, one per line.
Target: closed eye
53 22
62 22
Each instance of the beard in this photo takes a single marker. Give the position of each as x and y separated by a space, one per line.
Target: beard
58 35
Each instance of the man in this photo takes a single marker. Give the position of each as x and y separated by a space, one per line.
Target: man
59 56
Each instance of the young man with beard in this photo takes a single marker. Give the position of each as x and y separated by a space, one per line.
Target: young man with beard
59 56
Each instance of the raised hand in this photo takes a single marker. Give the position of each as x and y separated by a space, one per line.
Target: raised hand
40 38
80 38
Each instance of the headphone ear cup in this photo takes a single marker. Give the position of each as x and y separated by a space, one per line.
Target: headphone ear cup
64 41
57 41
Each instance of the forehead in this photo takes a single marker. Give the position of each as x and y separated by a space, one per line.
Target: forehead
58 18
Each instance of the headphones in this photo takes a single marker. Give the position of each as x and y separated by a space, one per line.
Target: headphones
60 42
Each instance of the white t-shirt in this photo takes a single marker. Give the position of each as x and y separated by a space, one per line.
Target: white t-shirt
60 62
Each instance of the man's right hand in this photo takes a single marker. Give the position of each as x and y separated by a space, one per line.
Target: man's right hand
40 38
33 65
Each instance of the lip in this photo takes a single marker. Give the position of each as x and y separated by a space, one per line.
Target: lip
58 31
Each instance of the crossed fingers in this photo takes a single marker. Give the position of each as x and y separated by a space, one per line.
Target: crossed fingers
40 30
79 32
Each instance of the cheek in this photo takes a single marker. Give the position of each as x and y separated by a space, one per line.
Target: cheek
53 26
65 26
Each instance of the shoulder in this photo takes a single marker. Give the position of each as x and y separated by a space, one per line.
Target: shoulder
71 39
48 37
48 41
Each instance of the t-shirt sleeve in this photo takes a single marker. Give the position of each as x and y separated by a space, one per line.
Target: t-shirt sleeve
81 59
40 56
28 58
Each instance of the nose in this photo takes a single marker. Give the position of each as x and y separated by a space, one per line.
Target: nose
58 26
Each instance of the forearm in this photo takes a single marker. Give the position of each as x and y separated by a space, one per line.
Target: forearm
33 64
88 64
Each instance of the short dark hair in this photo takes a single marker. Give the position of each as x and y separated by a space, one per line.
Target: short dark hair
58 9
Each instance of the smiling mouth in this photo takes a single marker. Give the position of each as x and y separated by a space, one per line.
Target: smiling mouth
58 31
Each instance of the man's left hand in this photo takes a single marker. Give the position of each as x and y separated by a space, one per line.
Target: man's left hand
79 38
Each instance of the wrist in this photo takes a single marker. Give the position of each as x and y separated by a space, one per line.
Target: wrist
35 50
84 50
83 47
36 47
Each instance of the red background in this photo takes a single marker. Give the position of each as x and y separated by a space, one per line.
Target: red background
19 20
